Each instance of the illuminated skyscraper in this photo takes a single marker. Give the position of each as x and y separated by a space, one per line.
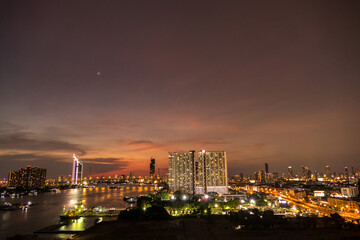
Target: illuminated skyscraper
182 171
212 172
208 174
152 167
77 172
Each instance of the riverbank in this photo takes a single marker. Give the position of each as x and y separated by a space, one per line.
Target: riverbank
217 228
51 204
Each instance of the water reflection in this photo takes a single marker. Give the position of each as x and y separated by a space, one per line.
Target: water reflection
52 204
75 225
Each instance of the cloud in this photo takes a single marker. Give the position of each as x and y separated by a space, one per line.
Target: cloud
8 127
29 157
140 142
120 161
23 141
59 165
215 142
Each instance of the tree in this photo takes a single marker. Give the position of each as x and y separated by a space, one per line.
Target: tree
260 203
144 202
232 204
268 218
178 194
243 217
134 214
163 196
157 213
339 221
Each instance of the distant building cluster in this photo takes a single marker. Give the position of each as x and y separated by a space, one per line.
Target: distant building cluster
198 173
28 178
265 176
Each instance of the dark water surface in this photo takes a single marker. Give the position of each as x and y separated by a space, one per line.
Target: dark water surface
52 204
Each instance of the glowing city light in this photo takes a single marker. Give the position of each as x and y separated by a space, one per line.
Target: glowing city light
77 173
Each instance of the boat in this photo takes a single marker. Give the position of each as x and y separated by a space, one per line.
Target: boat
55 190
9 207
130 199
80 211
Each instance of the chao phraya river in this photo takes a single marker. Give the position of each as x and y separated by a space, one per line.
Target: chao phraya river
51 204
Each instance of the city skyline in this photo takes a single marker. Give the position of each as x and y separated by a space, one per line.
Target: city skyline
118 83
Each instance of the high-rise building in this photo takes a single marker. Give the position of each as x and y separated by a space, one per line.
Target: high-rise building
262 175
152 167
77 172
29 177
347 174
182 171
290 172
306 173
267 168
328 172
303 172
132 175
207 174
212 172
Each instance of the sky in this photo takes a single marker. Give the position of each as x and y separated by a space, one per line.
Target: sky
119 82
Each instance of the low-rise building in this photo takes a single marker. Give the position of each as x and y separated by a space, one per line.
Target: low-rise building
239 196
344 204
349 191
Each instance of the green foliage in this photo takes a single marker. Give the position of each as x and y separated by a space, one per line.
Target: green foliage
232 204
163 196
144 202
260 203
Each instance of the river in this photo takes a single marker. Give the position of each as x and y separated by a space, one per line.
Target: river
51 204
